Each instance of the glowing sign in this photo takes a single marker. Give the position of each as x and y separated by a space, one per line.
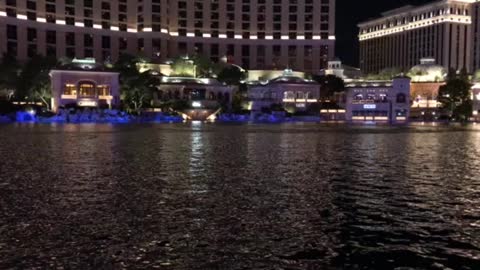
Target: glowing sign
87 103
196 104
86 61
369 106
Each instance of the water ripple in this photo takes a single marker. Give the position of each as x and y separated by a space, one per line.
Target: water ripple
239 197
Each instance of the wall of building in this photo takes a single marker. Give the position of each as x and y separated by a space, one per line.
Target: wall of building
272 34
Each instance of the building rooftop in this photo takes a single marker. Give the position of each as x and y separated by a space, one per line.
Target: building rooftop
87 64
190 81
427 71
288 77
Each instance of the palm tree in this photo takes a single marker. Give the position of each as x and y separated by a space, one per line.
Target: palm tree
9 69
136 87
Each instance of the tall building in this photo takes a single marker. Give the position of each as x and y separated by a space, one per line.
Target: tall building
446 30
256 34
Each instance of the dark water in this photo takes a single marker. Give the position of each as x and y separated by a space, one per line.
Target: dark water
239 197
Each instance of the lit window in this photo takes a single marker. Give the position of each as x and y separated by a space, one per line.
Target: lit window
70 90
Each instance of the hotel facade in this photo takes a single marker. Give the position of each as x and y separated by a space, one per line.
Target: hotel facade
255 34
378 101
446 30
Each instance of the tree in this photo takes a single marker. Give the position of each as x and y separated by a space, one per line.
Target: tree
231 75
42 90
9 70
455 96
329 85
184 67
137 88
34 80
205 68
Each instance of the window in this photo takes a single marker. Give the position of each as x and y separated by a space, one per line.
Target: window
70 90
103 90
87 89
401 98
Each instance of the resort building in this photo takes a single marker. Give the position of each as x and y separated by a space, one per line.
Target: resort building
291 92
378 101
85 84
272 34
203 97
446 30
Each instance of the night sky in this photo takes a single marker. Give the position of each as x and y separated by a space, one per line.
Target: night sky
350 13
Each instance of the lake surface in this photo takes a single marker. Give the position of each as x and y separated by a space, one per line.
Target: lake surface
206 196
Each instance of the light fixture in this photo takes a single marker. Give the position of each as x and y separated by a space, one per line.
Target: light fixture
196 104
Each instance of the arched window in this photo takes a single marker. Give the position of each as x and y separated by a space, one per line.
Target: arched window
226 96
300 95
358 97
86 89
211 95
401 98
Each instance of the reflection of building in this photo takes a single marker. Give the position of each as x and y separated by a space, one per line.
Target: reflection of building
84 84
441 29
253 34
292 92
378 101
203 96
476 101
427 78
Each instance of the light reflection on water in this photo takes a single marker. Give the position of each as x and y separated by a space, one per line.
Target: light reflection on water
206 196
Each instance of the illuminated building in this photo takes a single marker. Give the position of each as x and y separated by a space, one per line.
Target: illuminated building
294 93
250 33
378 101
441 30
85 84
